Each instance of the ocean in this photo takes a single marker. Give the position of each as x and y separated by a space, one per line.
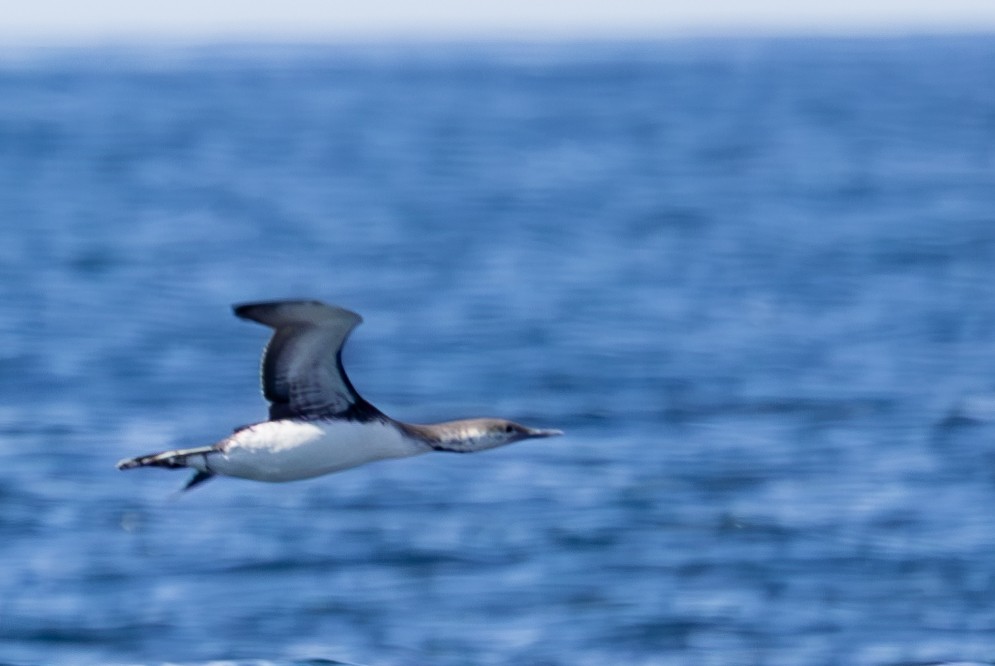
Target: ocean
752 279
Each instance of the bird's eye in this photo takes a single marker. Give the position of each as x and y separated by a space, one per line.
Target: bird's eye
509 429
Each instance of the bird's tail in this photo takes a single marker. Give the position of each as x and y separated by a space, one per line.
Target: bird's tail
172 460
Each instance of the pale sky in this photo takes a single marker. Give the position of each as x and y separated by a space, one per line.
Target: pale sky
74 20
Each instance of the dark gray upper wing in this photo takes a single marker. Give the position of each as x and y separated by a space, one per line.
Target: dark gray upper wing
302 374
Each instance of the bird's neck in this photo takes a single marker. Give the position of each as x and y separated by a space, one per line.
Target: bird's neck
463 436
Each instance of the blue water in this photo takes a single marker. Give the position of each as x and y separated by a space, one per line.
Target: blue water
753 280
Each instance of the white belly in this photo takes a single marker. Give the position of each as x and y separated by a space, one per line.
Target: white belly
291 450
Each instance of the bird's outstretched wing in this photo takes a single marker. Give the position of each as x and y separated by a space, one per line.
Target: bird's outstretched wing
302 374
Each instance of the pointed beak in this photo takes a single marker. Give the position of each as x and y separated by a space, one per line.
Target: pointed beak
539 432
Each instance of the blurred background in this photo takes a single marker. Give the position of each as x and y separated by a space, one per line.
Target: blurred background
742 253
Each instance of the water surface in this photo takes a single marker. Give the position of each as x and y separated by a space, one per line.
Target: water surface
751 280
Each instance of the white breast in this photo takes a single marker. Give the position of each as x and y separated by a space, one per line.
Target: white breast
290 450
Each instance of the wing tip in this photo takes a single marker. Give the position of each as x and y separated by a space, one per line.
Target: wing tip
247 310
273 313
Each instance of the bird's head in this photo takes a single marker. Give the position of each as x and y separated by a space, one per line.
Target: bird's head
480 434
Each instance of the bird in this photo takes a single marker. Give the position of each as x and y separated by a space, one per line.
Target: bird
318 423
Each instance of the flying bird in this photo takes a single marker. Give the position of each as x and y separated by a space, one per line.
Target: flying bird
318 423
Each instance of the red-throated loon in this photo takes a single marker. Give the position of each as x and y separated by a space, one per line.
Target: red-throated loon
318 423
